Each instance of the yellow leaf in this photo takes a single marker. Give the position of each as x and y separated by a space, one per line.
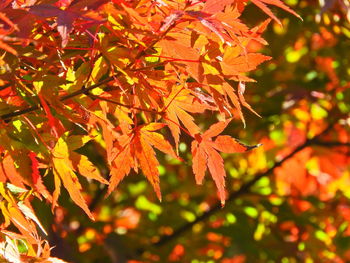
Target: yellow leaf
82 164
71 183
62 170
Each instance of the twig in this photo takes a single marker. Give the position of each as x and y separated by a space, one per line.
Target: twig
124 105
9 116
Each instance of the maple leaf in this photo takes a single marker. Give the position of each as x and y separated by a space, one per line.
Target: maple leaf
19 217
179 50
234 63
140 144
205 155
178 104
29 214
241 89
157 140
108 134
122 162
57 127
65 163
36 178
82 164
9 171
148 162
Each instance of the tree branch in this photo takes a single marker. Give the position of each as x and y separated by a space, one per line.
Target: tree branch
232 196
330 143
8 116
245 188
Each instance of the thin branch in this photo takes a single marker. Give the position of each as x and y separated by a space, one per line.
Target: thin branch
85 90
9 116
124 105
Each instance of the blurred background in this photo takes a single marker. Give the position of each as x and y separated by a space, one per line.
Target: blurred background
288 200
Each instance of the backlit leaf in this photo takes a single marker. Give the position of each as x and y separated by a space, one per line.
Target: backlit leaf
63 172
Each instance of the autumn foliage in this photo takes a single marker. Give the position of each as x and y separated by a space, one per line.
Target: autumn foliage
97 91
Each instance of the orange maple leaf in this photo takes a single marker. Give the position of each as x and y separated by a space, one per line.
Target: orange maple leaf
205 155
140 143
65 162
178 104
